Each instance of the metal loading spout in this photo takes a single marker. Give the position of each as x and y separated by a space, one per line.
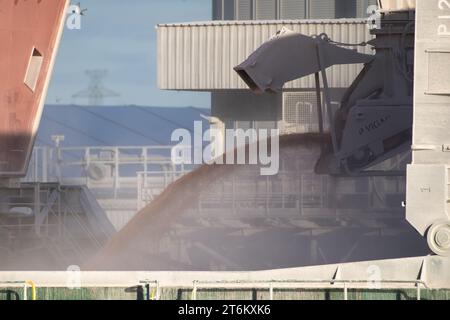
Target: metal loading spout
373 121
289 56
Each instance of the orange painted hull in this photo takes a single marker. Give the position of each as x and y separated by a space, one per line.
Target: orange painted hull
30 32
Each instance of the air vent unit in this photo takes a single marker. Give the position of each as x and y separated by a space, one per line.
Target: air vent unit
300 112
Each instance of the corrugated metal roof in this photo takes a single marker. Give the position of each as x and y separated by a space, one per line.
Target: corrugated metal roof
264 22
201 55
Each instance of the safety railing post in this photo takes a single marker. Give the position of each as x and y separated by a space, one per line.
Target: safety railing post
194 291
33 289
139 190
151 292
44 151
36 166
347 284
157 291
25 289
418 291
116 171
345 291
145 151
271 291
87 161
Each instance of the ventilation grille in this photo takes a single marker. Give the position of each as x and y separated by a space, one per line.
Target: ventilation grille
300 113
266 9
292 9
244 9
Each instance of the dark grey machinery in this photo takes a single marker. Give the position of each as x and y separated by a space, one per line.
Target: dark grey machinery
374 121
399 102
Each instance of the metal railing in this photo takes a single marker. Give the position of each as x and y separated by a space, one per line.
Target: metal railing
292 193
271 285
153 289
151 184
24 284
112 168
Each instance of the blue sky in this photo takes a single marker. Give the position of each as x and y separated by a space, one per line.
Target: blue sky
120 36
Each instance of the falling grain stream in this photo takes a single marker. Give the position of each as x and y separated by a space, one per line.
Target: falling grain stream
320 220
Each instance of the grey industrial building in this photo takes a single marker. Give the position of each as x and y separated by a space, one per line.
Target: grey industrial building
200 56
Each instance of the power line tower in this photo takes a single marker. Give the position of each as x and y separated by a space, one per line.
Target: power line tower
96 92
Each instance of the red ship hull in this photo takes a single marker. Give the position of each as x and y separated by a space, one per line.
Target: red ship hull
30 33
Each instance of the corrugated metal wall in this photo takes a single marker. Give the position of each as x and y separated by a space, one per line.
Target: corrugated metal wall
201 56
